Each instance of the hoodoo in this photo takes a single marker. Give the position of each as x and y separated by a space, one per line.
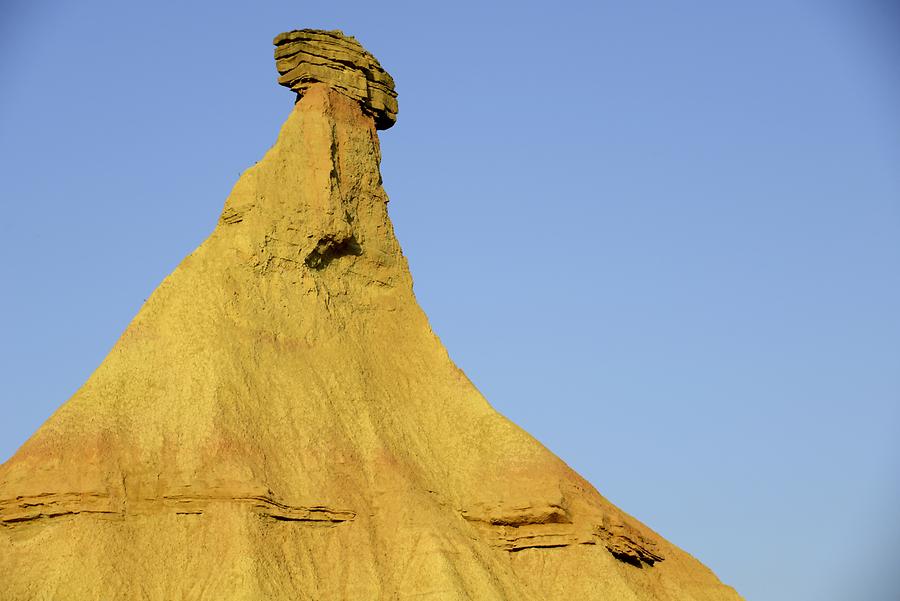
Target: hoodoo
279 422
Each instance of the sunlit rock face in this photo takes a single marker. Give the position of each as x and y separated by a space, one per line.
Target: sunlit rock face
279 422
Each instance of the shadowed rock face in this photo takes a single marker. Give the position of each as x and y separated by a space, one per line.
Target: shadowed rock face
305 57
279 422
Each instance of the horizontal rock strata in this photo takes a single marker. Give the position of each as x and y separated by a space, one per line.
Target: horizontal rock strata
308 56
50 505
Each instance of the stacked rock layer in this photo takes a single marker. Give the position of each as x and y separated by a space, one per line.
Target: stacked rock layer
305 57
280 423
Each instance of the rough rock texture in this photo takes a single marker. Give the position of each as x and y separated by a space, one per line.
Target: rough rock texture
305 57
279 423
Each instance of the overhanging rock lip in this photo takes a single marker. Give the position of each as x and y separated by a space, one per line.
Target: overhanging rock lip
305 57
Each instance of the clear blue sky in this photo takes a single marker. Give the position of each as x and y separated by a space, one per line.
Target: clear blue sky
664 237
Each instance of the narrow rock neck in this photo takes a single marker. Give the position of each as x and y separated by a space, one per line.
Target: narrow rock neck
316 197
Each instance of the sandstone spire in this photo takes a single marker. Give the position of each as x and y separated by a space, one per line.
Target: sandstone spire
279 422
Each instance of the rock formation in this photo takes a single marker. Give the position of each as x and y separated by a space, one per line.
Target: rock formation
305 57
279 422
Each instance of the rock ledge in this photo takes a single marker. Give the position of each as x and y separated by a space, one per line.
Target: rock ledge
307 56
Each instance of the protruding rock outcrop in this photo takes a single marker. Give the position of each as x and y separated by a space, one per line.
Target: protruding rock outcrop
308 56
279 422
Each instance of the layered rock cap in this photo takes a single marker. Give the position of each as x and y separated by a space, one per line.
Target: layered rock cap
308 56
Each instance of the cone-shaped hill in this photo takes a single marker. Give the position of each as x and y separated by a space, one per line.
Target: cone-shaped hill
280 423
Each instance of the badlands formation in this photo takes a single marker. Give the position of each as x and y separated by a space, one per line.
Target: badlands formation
280 423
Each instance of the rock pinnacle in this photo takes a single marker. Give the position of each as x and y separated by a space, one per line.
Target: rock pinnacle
280 423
